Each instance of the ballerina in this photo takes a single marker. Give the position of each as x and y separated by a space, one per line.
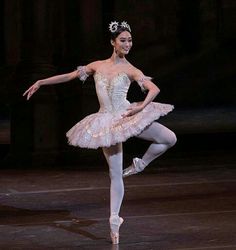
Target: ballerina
117 119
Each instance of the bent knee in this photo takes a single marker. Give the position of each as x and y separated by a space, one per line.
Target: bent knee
172 140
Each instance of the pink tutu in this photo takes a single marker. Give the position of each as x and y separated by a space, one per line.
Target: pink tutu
103 129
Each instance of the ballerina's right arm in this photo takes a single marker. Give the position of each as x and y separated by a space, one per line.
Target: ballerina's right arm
82 72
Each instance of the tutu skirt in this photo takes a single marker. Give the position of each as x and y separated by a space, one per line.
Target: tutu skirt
103 129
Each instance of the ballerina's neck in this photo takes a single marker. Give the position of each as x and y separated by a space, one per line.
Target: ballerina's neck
116 59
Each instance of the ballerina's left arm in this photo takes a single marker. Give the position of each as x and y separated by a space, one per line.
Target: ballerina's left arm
147 85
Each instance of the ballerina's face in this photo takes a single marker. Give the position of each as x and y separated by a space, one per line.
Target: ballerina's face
123 43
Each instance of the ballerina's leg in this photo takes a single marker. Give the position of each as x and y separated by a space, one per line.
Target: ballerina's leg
162 139
114 157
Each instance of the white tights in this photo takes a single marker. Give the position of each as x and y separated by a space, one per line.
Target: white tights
114 157
161 137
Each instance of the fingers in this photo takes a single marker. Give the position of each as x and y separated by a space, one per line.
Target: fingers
130 113
125 114
26 92
30 91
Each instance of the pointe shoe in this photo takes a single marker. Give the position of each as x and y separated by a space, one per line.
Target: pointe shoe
115 223
134 168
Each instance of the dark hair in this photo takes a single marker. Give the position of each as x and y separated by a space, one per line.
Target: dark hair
119 30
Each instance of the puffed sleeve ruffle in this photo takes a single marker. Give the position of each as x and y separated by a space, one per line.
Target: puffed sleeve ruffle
142 80
82 73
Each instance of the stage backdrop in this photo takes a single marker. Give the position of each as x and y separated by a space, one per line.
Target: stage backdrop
188 47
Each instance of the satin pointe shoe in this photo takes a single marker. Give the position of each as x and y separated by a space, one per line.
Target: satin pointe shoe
136 167
115 223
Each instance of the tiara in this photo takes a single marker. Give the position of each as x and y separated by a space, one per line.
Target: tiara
113 26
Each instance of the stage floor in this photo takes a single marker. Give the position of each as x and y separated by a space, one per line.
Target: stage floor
191 208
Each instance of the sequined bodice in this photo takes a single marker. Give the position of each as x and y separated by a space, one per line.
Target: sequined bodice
112 92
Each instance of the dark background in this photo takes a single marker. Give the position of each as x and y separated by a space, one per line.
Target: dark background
188 46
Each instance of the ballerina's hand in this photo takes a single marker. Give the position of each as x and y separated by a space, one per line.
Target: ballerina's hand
132 111
31 90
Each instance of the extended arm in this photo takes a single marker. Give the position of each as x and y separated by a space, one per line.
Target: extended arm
49 81
81 72
58 78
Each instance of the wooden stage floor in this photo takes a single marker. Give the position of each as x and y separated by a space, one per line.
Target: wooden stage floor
193 208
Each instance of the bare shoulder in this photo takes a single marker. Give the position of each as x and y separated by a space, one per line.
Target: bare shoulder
92 67
134 73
